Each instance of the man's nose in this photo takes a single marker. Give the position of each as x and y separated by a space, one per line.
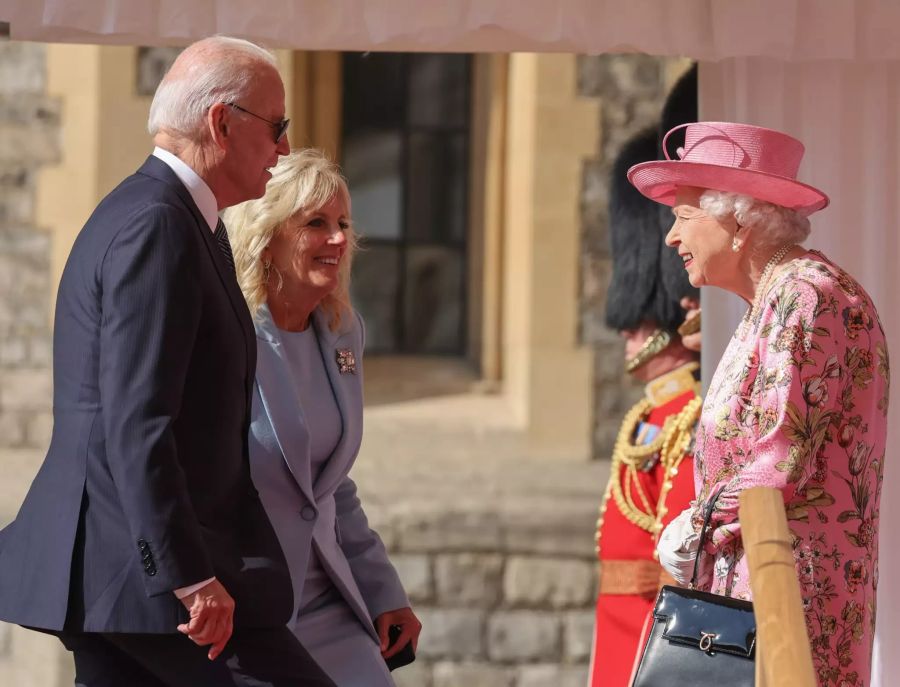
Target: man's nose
284 145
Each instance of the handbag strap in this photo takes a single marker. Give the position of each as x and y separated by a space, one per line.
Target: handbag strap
704 531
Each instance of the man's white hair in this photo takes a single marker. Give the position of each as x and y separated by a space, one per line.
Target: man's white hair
212 70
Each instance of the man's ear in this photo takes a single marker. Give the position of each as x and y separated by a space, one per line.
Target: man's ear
218 123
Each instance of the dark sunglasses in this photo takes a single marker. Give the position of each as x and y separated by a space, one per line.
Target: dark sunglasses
279 127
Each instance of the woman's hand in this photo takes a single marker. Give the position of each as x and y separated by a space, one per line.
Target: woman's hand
692 306
677 547
410 627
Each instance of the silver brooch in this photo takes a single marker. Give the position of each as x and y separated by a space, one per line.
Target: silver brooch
346 361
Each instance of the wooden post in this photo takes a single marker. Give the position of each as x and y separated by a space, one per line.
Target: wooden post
783 655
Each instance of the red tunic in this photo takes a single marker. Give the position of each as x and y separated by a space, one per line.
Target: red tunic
628 566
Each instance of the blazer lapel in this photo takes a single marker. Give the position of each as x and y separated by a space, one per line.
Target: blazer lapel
280 402
159 170
347 388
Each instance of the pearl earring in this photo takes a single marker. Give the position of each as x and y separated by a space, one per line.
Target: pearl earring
735 246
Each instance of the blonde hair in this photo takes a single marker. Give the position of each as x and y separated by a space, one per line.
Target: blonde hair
303 181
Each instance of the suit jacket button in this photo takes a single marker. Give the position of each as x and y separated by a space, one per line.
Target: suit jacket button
308 513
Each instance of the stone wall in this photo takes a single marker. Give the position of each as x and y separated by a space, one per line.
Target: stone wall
496 614
631 90
496 550
29 139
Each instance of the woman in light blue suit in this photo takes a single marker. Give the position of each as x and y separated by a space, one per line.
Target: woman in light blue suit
292 252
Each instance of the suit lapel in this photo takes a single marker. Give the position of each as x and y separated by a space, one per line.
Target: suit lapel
347 388
280 402
159 170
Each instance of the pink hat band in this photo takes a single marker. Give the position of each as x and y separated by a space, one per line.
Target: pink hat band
737 158
753 148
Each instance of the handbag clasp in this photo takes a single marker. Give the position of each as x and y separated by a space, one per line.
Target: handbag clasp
706 640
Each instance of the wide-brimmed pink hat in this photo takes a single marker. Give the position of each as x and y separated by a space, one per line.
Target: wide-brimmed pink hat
737 158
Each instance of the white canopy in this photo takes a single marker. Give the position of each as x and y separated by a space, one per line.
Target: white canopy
702 29
827 71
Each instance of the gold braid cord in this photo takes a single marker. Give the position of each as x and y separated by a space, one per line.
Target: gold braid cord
627 459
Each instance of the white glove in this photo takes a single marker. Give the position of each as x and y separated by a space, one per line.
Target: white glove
677 548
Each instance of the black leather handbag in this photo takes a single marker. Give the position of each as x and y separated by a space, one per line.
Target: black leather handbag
698 638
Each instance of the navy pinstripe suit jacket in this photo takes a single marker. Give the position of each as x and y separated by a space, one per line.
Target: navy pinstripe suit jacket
146 485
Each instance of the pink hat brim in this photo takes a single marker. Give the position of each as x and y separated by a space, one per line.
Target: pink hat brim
659 180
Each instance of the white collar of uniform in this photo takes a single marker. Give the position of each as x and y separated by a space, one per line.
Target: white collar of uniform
200 192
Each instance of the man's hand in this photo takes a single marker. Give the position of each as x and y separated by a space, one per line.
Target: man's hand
410 629
212 613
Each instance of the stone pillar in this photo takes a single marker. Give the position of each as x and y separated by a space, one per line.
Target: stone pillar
546 370
631 90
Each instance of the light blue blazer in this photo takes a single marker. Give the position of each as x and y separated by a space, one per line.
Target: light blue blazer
329 510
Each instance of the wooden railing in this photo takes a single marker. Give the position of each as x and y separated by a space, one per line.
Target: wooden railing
783 656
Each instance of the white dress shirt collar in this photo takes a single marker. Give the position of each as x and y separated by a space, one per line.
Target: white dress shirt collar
200 192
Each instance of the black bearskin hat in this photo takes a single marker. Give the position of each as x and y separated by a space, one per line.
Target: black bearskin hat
680 108
649 278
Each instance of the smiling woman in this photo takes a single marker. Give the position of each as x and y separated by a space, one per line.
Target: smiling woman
799 400
292 250
712 228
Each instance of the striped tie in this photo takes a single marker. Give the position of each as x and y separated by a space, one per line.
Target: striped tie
224 244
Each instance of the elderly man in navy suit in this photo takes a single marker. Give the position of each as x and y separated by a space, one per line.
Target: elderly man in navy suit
142 540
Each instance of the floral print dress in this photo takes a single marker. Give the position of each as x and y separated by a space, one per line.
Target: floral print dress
799 402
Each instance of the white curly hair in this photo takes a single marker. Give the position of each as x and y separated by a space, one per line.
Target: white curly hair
777 225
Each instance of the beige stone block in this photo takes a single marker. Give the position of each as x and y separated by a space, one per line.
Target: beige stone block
449 633
13 351
556 534
450 531
417 674
12 429
18 467
29 129
39 428
516 636
5 640
34 659
555 675
548 582
469 579
21 68
578 633
471 675
415 573
40 351
26 389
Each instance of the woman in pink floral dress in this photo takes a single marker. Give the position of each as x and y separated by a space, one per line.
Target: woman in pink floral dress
799 399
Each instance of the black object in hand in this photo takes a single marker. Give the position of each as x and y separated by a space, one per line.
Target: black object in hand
405 656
